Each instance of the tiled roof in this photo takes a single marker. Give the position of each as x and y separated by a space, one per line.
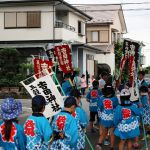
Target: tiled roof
100 13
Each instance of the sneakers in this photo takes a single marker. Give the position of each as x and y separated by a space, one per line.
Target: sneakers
136 145
98 147
143 138
106 142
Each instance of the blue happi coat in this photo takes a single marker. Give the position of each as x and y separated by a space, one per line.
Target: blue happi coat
17 138
144 83
126 121
82 122
146 109
106 107
67 87
38 132
65 123
93 97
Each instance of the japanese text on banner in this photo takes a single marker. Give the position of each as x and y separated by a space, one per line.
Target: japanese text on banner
46 87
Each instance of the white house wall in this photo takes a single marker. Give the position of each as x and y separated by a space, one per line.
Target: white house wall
117 23
73 21
46 30
106 59
66 35
43 33
85 52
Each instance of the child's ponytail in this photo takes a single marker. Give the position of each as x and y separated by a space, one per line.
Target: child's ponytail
8 128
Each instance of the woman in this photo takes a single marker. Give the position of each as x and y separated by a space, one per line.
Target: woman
83 84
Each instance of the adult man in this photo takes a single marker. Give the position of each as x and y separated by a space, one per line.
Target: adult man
104 78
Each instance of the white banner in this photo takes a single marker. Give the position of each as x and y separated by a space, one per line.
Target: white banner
46 87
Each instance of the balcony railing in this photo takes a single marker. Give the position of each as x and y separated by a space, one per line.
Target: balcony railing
60 24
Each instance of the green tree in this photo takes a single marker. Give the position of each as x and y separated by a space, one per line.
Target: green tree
9 67
147 70
9 62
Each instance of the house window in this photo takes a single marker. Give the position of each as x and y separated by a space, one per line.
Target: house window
10 20
104 36
81 28
22 20
34 19
95 35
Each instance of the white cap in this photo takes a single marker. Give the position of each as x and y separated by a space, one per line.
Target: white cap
125 92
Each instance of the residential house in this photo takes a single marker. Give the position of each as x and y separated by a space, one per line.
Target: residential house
30 25
107 27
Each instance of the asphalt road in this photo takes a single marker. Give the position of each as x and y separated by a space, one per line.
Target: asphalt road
93 137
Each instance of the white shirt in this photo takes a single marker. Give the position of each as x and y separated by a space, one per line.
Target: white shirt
139 82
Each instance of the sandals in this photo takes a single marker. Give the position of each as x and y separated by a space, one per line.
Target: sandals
98 146
136 145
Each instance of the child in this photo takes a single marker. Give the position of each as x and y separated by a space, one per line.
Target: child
82 120
93 97
141 80
67 85
106 107
146 107
103 79
83 84
91 81
11 136
126 121
65 128
37 128
77 80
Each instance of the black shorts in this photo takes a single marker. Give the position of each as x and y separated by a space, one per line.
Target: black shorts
92 116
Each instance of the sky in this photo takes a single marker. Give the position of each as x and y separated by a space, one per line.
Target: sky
137 22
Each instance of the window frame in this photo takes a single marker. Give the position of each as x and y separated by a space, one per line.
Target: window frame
92 36
5 21
17 22
25 27
39 18
83 31
100 38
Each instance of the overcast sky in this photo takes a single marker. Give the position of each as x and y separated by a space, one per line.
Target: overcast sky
138 22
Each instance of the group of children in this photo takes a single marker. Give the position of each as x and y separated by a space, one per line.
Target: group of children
119 118
66 130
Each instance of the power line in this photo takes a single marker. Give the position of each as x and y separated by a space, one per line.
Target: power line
96 10
131 9
137 3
